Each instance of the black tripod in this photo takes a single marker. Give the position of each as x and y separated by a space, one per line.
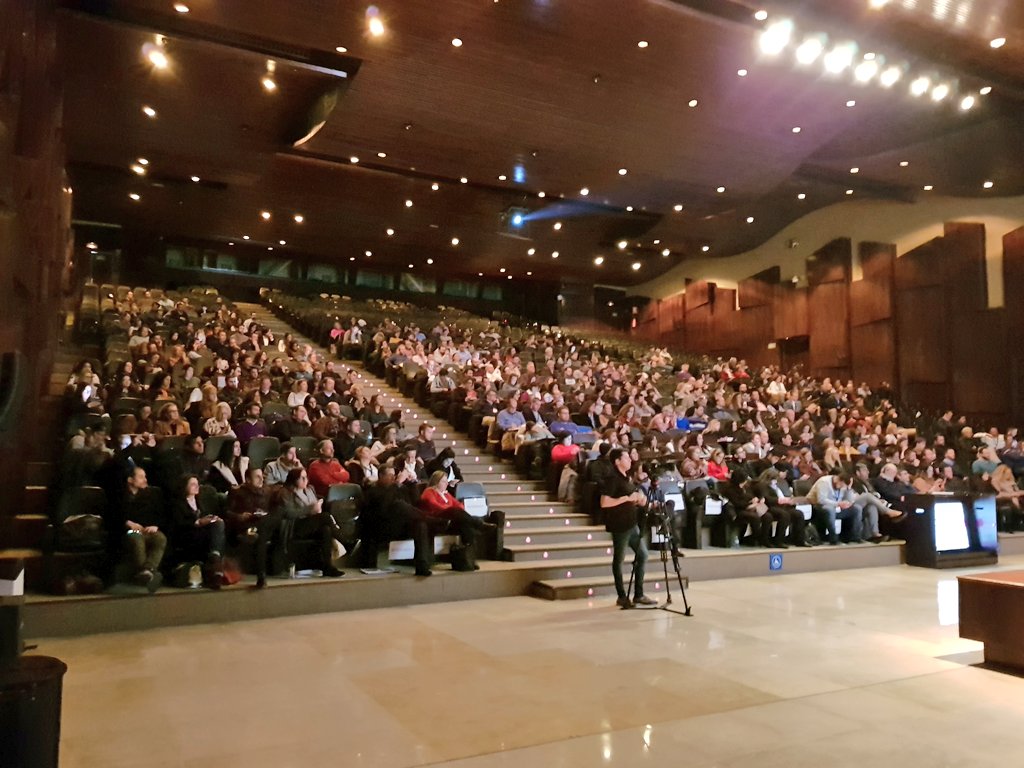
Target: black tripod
659 512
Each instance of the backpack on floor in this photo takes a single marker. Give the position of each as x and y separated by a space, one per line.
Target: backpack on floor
569 485
811 536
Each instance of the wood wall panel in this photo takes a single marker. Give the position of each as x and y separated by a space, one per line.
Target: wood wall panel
979 366
790 312
871 297
829 313
699 293
964 266
759 290
1013 287
873 352
831 263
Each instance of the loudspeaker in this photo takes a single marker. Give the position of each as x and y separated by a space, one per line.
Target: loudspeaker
13 371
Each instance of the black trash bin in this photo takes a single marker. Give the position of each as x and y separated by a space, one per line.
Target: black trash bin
30 701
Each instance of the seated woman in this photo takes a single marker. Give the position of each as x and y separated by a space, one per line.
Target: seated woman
362 469
1008 495
228 471
298 505
198 533
437 503
717 469
219 425
169 423
445 462
299 393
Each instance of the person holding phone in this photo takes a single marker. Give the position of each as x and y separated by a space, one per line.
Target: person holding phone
198 532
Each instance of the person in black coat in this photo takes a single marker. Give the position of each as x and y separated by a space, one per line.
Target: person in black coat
445 462
747 507
137 518
386 516
198 532
773 488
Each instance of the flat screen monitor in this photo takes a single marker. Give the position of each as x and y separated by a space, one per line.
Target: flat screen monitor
950 527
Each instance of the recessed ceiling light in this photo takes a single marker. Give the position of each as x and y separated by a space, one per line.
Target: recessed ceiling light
457 42
642 44
351 258
998 42
598 260
928 187
269 84
270 247
282 242
940 92
585 191
920 86
148 111
541 194
904 163
849 191
623 171
801 196
677 207
411 266
693 103
528 274
855 170
231 243
554 254
706 248
299 218
455 241
503 177
890 77
636 266
797 129
865 71
181 8
657 242
195 179
851 103
430 261
353 159
374 22
156 55
408 203
389 231
142 161
967 103
265 215
138 170
463 180
341 49
479 274
622 245
368 253
840 58
245 237
666 252
750 219
531 251
721 190
92 246
986 90
776 37
502 270
382 154
879 3
557 226
742 73
988 185
810 49
761 15
435 186
135 196
629 208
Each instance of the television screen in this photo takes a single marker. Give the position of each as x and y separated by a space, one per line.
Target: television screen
950 527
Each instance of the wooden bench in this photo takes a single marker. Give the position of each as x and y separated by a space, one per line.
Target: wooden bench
992 612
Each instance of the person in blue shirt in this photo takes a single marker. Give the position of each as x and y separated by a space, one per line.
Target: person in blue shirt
510 417
563 423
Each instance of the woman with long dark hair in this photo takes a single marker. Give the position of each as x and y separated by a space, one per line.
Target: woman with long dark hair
298 505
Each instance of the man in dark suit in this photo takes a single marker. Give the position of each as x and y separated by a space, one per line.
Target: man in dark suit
775 490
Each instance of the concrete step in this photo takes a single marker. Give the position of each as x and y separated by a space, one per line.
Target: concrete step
36 500
532 552
518 522
24 531
556 535
498 497
538 507
574 588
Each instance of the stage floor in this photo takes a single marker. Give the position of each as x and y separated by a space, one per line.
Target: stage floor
842 668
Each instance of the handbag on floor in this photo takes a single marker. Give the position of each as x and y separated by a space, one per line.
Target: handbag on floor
463 558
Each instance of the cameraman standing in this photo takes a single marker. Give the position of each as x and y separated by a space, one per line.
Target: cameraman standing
620 500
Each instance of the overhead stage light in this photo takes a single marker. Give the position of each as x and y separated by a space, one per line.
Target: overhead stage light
776 37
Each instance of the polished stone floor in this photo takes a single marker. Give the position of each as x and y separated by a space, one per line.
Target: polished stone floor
851 668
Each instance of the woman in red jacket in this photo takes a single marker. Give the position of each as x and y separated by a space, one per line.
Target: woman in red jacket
438 503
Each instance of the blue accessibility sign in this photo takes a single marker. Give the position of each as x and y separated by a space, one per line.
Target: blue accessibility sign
775 562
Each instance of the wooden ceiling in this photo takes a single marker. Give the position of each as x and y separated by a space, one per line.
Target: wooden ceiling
556 96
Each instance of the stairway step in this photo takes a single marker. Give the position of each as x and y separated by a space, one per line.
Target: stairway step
573 588
36 499
531 552
518 522
39 472
24 531
556 535
498 498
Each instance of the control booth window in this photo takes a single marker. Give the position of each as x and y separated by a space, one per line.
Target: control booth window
416 283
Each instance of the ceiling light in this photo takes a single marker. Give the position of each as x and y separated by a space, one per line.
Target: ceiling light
750 219
408 203
776 37
463 180
866 71
299 218
629 208
554 254
528 274
666 252
657 242
149 111
849 191
156 55
797 129
839 58
801 196
622 245
457 42
142 161
92 246
557 226
967 103
181 8
677 207
988 185
375 24
706 248
636 266
986 90
928 187
940 92
341 49
721 190
509 277
382 154
869 57
265 215
598 260
693 103
411 266
642 44
268 84
368 253
138 170
455 241
851 103
541 194
742 72
353 159
351 258
999 42
195 179
270 247
435 186
904 163
855 170
878 3
282 242
920 86
502 177
761 15
479 274
231 243
890 77
135 196
810 49
502 270
623 171
389 232
585 191
245 237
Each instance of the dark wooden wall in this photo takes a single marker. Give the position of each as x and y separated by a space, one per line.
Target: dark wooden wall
919 322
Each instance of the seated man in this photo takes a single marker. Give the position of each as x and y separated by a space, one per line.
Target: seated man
386 516
325 470
276 472
748 508
139 521
834 500
563 423
250 518
777 494
328 426
351 438
296 425
425 448
875 507
251 426
891 488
